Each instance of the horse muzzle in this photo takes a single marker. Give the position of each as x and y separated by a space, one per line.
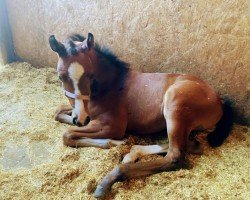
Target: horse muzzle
77 123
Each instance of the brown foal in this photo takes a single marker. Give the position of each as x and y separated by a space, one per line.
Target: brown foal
117 100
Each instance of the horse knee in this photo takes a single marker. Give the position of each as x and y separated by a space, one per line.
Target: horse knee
68 139
57 117
176 157
58 111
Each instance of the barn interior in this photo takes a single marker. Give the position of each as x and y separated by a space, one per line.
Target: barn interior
209 39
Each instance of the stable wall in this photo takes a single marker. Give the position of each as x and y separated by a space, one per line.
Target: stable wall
206 38
7 53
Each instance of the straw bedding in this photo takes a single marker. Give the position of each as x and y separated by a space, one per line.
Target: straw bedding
35 164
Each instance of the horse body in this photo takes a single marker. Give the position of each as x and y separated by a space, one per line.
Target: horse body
149 94
124 100
145 92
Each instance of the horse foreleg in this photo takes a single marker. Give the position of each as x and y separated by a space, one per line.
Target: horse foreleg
63 114
91 135
100 143
138 151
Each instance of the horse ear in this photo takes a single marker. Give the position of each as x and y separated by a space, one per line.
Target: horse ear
90 40
57 46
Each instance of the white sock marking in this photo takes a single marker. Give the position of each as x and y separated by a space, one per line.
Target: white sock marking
138 151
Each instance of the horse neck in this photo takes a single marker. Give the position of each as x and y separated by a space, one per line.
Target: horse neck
105 77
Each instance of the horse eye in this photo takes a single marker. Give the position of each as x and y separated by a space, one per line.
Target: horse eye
63 77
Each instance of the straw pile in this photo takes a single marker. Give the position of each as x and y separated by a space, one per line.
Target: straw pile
34 164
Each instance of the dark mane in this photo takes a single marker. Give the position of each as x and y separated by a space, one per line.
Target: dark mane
69 43
76 37
111 63
106 53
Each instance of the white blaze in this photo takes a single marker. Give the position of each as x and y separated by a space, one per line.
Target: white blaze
75 73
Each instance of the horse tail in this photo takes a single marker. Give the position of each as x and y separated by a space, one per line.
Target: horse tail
223 127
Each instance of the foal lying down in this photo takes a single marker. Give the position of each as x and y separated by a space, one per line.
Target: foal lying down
117 100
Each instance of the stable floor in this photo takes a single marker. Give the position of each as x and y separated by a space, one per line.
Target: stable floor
34 164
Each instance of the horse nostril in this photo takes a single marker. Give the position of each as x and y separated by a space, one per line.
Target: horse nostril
79 124
76 122
87 120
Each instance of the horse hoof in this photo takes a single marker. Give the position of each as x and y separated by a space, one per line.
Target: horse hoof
100 192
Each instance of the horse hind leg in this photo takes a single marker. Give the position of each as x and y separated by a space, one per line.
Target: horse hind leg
174 159
194 146
138 151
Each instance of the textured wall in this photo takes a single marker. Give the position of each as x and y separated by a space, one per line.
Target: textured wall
207 38
7 53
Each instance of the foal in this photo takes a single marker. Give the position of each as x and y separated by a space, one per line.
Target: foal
118 99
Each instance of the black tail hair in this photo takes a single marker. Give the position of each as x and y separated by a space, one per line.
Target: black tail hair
223 127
